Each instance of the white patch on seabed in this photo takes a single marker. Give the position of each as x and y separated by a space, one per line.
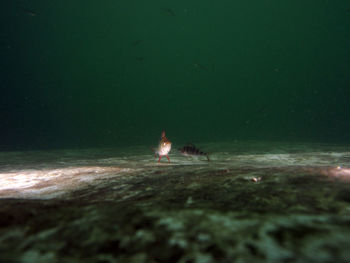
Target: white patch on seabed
47 181
51 183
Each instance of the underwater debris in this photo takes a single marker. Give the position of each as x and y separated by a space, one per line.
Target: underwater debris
256 179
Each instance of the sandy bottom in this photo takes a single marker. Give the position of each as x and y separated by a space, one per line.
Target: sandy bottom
253 202
54 174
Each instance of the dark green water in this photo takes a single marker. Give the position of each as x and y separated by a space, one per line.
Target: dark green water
108 73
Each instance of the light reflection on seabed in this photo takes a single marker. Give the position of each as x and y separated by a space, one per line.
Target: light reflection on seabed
337 172
48 182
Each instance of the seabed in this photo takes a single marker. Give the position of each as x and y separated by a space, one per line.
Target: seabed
253 202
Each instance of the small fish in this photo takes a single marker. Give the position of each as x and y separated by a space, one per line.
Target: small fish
140 59
29 11
164 147
190 150
200 66
137 42
169 11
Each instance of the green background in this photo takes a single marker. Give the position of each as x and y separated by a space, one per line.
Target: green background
117 72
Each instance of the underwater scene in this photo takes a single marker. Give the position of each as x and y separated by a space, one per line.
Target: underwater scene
175 131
